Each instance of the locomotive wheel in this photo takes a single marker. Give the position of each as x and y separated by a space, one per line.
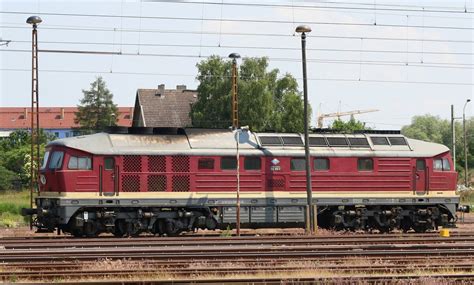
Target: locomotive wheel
76 232
127 228
91 229
119 229
171 228
133 228
158 227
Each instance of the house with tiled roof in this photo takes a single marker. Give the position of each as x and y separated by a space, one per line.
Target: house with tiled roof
58 121
162 107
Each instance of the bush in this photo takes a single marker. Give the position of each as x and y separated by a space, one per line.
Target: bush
6 178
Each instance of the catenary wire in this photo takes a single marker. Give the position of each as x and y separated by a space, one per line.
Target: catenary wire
104 29
318 60
239 20
191 75
247 47
419 8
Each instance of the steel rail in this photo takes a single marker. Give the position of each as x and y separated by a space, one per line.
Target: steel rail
156 242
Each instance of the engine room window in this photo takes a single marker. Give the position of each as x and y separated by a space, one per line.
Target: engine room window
446 165
206 163
56 160
45 160
297 164
252 163
321 164
81 163
438 164
228 163
365 164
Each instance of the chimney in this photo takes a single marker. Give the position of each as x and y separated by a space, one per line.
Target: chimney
62 114
180 87
161 90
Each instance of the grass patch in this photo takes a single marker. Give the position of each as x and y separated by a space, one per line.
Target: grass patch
467 197
11 203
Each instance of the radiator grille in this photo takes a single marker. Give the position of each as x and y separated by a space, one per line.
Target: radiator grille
276 184
157 163
132 163
180 163
180 183
130 183
156 183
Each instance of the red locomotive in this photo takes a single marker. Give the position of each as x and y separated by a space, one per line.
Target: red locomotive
163 182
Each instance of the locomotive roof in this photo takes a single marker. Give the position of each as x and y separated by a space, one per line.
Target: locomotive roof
223 142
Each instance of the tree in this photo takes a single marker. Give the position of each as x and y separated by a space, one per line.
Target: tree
348 127
266 102
97 109
15 157
434 129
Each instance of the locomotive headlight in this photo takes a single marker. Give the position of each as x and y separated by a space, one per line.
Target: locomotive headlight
43 179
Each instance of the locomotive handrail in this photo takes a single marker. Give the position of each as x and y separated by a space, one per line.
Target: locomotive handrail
427 180
100 180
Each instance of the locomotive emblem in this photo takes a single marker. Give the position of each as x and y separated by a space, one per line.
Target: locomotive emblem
275 166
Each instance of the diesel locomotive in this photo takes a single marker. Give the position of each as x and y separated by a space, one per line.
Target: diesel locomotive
165 182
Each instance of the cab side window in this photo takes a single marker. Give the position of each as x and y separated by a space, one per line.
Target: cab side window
441 164
80 163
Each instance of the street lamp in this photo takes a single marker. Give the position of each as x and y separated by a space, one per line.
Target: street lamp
35 158
466 170
303 29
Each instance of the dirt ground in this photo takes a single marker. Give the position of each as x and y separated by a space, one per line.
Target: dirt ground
465 223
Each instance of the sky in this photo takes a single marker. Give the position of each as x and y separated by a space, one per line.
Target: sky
404 58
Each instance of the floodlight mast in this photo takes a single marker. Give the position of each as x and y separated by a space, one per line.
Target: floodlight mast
310 220
35 144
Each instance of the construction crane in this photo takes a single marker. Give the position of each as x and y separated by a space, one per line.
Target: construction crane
340 114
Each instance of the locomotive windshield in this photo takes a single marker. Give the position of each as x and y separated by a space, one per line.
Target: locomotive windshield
45 160
56 160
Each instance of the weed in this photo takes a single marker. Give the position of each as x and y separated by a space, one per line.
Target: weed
227 232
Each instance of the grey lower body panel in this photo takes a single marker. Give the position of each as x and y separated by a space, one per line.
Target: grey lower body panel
262 210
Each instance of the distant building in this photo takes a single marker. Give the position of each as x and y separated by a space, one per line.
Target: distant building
58 121
163 107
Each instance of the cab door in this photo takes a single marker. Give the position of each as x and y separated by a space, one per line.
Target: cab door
108 175
420 176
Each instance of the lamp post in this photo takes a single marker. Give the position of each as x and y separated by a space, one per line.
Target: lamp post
466 170
235 127
303 29
35 149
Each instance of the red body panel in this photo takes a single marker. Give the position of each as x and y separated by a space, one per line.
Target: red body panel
134 173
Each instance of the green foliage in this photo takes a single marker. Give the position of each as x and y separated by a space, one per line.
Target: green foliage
349 126
429 128
6 178
265 102
15 157
97 109
434 129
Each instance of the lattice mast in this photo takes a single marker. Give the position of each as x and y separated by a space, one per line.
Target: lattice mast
34 113
235 100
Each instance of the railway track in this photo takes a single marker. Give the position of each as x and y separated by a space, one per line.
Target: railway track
258 260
